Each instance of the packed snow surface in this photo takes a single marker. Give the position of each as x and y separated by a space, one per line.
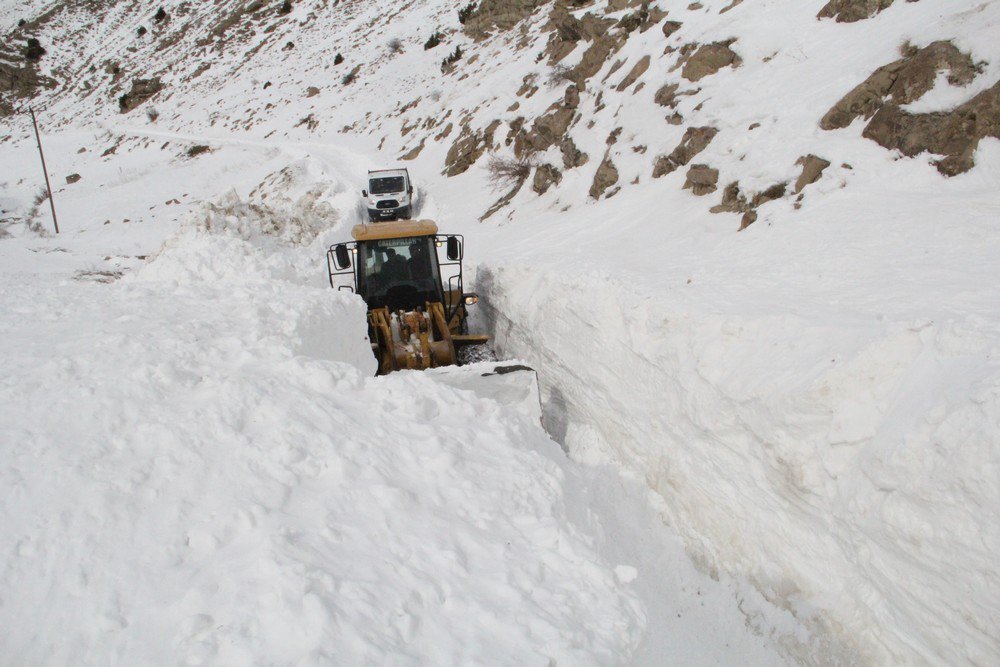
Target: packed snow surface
779 444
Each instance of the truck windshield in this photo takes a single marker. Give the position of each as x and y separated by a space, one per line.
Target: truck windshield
385 185
399 273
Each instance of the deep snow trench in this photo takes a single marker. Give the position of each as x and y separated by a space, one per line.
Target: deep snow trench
199 468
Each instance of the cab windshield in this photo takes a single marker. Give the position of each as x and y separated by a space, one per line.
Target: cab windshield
399 273
385 185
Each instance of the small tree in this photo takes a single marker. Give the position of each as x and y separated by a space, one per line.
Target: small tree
161 15
337 59
433 40
34 50
286 7
452 58
465 12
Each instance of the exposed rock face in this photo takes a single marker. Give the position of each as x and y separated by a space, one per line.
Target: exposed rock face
568 31
498 14
468 147
709 59
548 129
20 82
670 27
812 169
637 70
694 141
902 81
666 96
701 179
776 191
849 11
606 176
571 155
733 200
413 152
954 134
142 90
545 177
73 178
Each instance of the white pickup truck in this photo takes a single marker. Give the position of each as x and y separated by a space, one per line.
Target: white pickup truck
389 195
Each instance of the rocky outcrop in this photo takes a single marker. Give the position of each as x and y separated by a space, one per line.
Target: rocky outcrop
571 155
902 82
606 176
142 90
468 147
670 27
548 129
499 15
637 70
735 201
954 134
546 176
694 141
20 82
849 11
568 31
701 179
709 59
812 169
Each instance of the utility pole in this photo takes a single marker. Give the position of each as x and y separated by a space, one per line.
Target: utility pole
48 186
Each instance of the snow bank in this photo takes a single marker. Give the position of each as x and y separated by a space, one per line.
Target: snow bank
200 469
849 469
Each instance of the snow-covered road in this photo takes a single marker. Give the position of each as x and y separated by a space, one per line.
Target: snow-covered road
199 467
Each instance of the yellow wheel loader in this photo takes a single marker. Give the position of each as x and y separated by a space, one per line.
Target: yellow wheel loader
411 278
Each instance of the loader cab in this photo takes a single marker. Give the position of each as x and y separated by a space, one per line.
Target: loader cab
402 265
400 273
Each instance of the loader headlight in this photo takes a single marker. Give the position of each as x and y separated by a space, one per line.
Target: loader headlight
471 299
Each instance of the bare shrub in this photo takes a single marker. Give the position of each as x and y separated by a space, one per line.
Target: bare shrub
152 114
37 202
506 173
395 45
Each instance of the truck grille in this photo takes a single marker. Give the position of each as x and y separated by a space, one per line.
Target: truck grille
387 203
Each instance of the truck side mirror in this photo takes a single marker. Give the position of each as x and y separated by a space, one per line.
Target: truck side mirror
454 249
341 257
409 190
364 193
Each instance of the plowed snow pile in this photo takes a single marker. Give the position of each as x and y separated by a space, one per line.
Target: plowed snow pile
207 473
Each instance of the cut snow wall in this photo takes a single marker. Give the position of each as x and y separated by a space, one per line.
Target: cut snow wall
847 468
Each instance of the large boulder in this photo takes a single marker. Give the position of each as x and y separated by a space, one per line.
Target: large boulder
499 15
701 179
606 176
694 141
902 81
954 134
812 169
709 59
849 11
469 147
142 90
546 176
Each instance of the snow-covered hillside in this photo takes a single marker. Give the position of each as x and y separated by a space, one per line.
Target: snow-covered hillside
812 403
